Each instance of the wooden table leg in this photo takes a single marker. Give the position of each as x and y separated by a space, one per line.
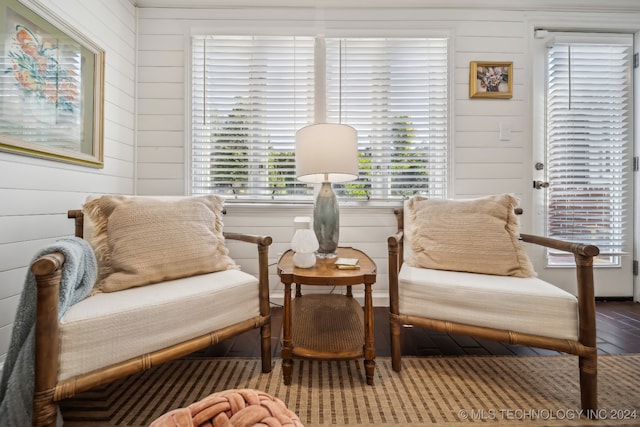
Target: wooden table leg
287 348
369 346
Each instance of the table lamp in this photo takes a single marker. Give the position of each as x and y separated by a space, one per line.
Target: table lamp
326 153
304 243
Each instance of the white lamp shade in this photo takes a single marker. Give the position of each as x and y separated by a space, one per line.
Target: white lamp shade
327 152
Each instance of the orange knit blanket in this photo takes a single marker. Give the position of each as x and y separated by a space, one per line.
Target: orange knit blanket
232 408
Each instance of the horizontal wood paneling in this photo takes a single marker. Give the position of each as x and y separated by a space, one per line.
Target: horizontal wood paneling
462 6
477 35
12 282
147 101
364 228
30 227
481 163
35 194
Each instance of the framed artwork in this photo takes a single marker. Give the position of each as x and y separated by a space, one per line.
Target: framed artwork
490 79
51 87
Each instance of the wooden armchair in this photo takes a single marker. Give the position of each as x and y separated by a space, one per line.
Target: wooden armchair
143 326
525 311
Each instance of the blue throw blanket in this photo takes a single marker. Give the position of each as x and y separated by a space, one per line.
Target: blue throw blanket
79 273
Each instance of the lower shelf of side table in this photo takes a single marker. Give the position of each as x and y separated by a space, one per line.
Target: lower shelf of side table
327 327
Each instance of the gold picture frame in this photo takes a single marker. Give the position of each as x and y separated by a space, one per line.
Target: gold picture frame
490 79
52 82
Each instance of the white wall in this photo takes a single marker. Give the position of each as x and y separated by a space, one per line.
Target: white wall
35 194
481 162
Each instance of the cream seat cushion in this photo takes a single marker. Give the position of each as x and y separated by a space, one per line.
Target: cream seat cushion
108 328
527 305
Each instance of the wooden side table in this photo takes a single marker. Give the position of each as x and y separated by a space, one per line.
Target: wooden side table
327 326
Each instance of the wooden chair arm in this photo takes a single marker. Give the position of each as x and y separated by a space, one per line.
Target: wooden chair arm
263 243
394 243
395 239
249 238
575 248
47 264
583 255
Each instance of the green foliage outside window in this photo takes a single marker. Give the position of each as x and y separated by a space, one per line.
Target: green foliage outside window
230 167
230 158
408 167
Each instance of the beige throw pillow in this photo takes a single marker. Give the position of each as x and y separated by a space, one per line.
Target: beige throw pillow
144 240
476 235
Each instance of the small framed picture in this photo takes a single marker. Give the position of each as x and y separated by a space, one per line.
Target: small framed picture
490 79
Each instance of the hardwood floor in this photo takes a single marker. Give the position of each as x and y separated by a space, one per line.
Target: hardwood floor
618 332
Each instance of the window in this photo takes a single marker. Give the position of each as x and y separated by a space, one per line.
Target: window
588 142
251 94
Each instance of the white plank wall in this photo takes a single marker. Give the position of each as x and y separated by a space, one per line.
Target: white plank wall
366 230
35 194
481 163
146 105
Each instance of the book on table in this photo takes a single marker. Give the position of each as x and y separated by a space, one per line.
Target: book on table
347 263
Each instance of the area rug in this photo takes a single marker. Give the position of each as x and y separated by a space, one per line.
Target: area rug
432 391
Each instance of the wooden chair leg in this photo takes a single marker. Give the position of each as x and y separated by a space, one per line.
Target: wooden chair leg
396 362
265 347
589 384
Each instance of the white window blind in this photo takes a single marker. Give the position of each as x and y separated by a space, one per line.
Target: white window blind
588 140
251 94
394 91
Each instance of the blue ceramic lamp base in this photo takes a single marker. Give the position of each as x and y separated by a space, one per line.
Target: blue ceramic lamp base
326 221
